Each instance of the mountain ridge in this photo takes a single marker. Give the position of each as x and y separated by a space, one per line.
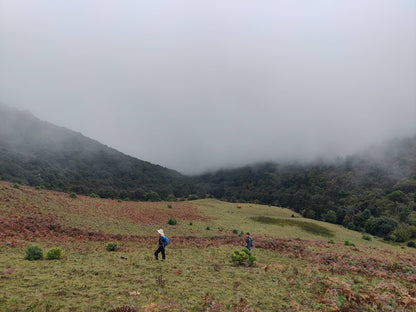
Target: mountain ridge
373 191
36 152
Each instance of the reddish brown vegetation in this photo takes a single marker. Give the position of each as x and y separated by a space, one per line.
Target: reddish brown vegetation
26 215
27 201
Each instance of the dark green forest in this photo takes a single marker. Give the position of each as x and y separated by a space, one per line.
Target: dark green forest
373 191
37 153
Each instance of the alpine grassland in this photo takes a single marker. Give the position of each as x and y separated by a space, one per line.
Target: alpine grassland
300 264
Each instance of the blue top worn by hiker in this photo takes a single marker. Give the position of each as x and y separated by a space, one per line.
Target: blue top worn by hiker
163 241
249 241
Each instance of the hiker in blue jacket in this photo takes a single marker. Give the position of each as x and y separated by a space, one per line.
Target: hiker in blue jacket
249 241
161 245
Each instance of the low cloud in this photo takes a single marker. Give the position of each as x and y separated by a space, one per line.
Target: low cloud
205 85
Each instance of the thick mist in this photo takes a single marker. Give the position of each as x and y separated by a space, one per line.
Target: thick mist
197 86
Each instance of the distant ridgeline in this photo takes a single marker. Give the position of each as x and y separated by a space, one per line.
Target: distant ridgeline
372 191
38 153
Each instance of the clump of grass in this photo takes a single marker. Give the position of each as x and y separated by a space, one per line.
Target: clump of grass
34 252
161 281
303 225
73 195
217 267
348 243
54 254
170 206
172 221
366 237
113 246
235 231
16 185
331 241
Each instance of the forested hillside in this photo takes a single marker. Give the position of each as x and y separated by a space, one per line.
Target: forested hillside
374 191
38 153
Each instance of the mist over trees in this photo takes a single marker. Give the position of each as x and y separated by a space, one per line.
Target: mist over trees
373 192
38 153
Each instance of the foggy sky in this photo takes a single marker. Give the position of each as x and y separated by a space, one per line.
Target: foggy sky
200 85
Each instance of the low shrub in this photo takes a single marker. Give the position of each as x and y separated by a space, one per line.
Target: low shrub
347 243
172 221
54 254
366 237
235 231
243 257
72 195
34 252
331 241
16 185
411 244
112 246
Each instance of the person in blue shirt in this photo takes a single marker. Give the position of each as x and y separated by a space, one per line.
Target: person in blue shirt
249 241
161 246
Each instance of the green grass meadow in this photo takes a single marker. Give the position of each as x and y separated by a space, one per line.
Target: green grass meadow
93 279
203 278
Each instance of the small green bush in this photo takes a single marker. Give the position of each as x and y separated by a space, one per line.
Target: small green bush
235 231
34 252
72 195
93 195
367 237
172 221
243 257
331 241
112 246
208 228
411 244
54 254
16 185
347 243
169 206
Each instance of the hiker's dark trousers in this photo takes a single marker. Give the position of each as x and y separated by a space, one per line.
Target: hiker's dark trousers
162 250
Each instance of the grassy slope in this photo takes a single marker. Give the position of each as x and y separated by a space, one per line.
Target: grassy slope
297 270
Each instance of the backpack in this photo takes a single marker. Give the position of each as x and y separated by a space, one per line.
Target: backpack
165 241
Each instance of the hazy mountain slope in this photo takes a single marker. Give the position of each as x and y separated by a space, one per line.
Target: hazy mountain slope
34 152
374 191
